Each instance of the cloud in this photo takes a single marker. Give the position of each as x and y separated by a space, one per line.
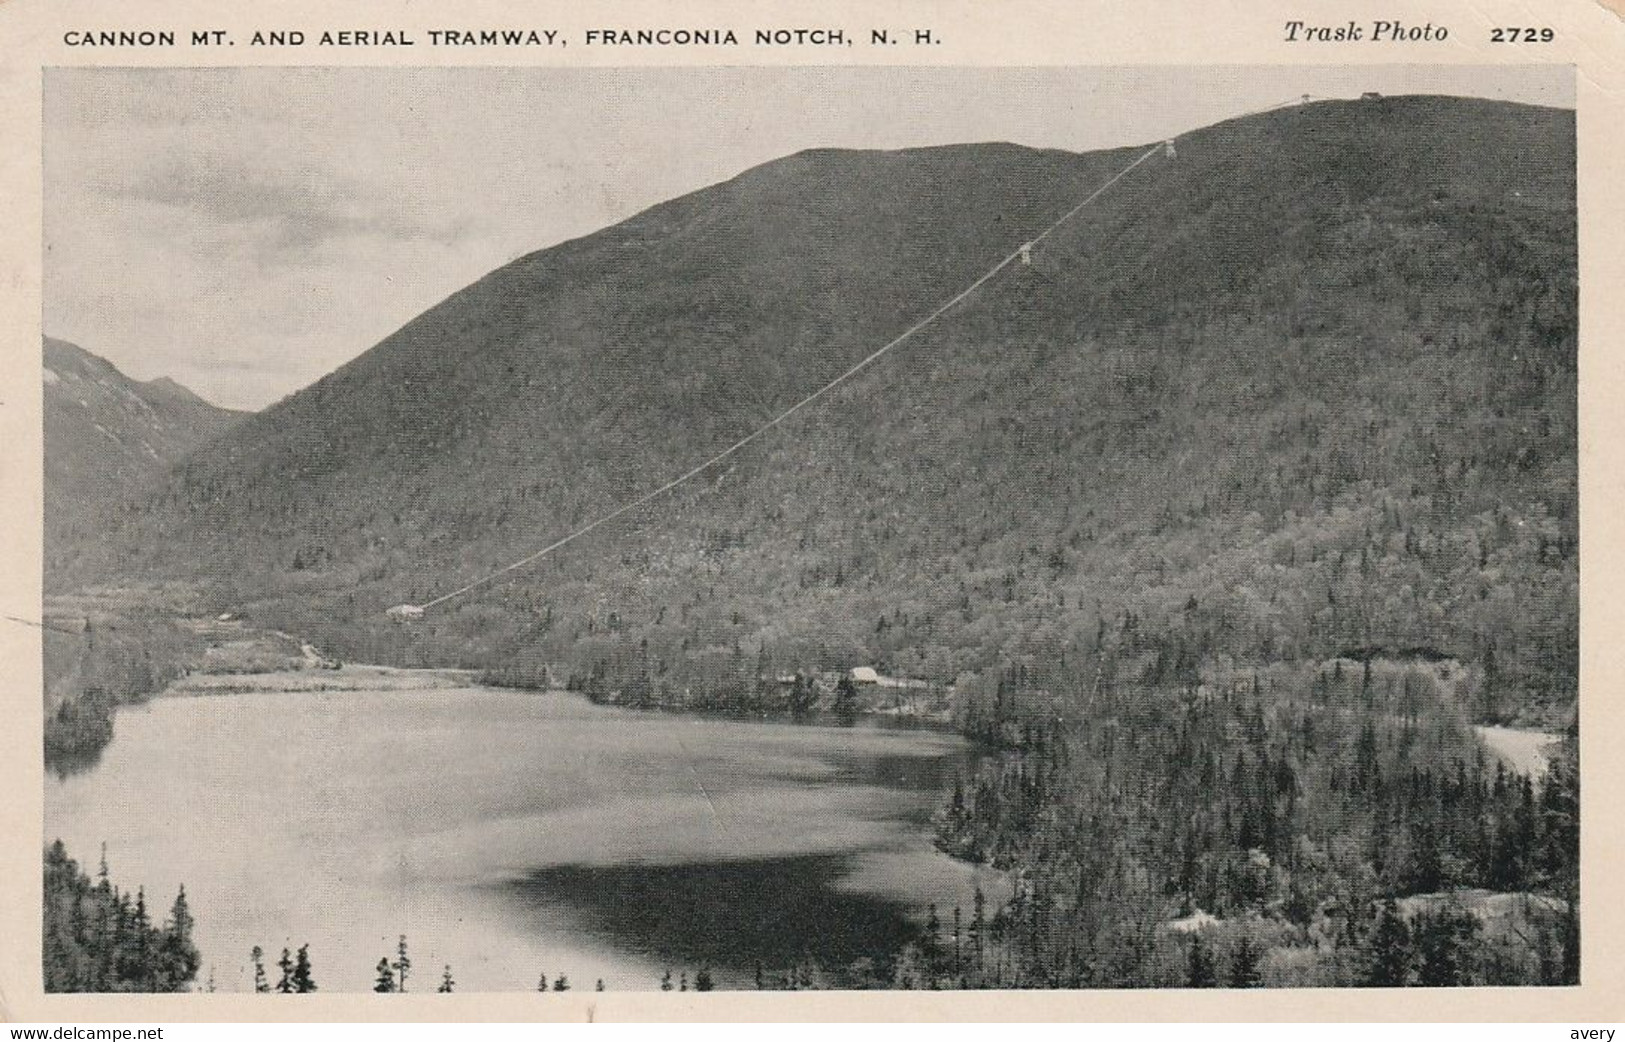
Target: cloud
247 230
288 215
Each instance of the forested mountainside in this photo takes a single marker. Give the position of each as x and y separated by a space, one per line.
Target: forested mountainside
1305 390
109 439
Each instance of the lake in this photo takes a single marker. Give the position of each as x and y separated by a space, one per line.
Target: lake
511 834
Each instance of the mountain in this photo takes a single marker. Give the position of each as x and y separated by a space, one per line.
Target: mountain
109 439
1305 389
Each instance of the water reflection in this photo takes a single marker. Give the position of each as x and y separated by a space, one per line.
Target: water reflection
730 916
508 833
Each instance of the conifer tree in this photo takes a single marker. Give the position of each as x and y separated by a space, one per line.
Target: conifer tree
1389 963
1444 941
285 985
446 983
846 701
303 983
1244 960
384 983
1199 969
257 957
402 965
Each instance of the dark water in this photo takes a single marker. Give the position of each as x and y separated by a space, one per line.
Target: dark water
729 916
511 834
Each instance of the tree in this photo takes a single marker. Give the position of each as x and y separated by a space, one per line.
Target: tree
600 985
96 939
178 956
1244 960
402 964
978 925
1389 962
303 983
846 701
141 928
257 958
561 983
384 984
702 980
665 981
180 917
285 985
446 983
541 982
1444 940
803 696
1199 968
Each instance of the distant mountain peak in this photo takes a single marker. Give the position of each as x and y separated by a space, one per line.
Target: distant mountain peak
108 438
175 391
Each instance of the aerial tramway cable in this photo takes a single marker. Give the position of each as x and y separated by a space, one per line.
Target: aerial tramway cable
1024 250
1022 253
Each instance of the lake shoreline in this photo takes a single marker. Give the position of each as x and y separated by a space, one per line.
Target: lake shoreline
504 831
371 677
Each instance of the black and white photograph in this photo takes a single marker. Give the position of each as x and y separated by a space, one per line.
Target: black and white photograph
810 528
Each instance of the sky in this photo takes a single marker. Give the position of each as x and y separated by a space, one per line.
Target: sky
246 231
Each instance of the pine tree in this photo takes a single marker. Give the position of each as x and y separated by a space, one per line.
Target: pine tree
285 985
1199 969
702 980
978 925
665 981
141 941
257 958
1244 960
402 965
1444 941
446 983
179 956
303 983
600 985
1389 963
931 943
180 916
384 984
846 701
561 983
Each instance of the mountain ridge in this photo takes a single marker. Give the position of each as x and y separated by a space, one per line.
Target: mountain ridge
1211 317
108 436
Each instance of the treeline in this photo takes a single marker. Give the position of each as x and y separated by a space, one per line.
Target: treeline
1368 440
1308 824
93 665
99 938
298 974
737 689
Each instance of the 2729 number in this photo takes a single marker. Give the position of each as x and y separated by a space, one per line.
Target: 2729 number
1521 35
